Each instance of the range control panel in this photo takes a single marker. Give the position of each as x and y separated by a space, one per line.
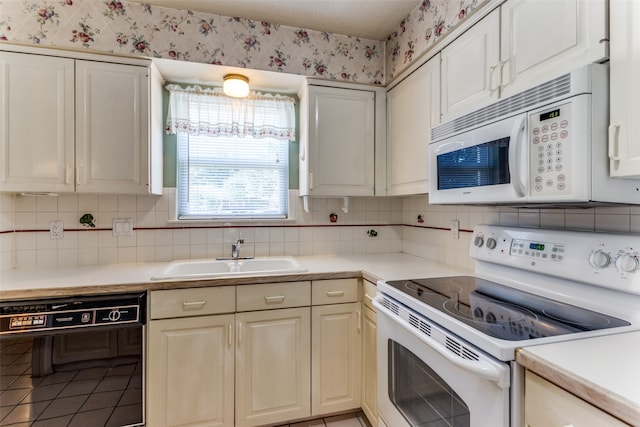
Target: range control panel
537 250
601 259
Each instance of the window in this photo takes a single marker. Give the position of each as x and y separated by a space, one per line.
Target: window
232 153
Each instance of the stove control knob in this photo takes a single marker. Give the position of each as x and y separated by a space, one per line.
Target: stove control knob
627 263
478 241
491 243
599 259
491 318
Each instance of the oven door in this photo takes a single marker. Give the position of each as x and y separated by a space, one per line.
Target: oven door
423 383
483 165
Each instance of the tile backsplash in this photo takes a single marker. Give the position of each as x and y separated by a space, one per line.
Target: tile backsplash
403 224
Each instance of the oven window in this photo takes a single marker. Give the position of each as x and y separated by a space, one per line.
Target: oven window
420 394
476 166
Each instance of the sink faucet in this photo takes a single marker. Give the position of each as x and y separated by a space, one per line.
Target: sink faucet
235 248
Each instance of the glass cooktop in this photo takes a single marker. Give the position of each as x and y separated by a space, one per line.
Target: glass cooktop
503 312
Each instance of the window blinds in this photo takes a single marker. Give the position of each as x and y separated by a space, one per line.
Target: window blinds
232 156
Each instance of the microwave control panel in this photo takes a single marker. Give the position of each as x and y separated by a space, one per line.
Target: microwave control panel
550 137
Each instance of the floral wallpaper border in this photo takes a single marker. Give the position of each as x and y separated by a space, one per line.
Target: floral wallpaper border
122 27
425 26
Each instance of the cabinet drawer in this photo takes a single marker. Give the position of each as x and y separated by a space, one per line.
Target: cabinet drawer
334 291
274 295
192 302
370 290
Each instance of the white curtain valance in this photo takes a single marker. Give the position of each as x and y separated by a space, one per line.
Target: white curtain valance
210 112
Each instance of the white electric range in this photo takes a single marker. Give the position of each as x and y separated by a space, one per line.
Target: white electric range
446 345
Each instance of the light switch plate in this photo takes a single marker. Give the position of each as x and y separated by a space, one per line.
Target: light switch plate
122 227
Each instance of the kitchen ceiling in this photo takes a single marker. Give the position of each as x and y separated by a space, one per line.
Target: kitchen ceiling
369 19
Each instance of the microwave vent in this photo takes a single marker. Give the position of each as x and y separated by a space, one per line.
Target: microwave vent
543 93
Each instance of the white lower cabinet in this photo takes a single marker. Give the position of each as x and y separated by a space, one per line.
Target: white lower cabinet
336 355
272 366
253 355
369 359
547 405
190 374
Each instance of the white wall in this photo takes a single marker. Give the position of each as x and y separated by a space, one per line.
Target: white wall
25 242
431 241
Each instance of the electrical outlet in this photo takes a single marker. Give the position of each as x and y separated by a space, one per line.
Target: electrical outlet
455 229
56 230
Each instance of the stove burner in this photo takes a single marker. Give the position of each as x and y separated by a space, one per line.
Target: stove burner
588 320
420 289
516 313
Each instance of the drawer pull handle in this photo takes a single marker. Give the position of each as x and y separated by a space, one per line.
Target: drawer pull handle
191 305
370 298
335 293
274 299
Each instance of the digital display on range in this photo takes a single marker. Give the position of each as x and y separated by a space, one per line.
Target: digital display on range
550 115
536 246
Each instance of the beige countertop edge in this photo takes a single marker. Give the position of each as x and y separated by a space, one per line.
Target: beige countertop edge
178 284
586 390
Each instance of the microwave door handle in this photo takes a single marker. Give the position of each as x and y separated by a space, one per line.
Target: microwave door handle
516 151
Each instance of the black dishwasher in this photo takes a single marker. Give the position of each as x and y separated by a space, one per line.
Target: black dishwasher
74 361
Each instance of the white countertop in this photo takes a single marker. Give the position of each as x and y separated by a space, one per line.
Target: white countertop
18 283
604 371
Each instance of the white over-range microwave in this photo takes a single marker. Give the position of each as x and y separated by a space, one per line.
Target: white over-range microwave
545 145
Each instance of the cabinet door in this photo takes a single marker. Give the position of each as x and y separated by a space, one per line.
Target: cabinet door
542 39
624 145
470 68
341 142
190 371
272 366
369 366
413 107
36 123
112 128
336 358
547 405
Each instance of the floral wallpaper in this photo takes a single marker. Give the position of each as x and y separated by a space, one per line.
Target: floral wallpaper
427 24
121 27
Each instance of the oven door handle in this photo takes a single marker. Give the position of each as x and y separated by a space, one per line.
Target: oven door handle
479 367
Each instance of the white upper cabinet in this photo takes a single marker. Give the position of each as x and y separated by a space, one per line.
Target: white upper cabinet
70 124
112 131
338 141
413 107
470 74
624 130
36 122
541 39
517 46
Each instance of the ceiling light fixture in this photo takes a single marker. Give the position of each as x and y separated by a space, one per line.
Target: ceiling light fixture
235 85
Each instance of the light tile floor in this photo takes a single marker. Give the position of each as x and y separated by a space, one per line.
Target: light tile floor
356 419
